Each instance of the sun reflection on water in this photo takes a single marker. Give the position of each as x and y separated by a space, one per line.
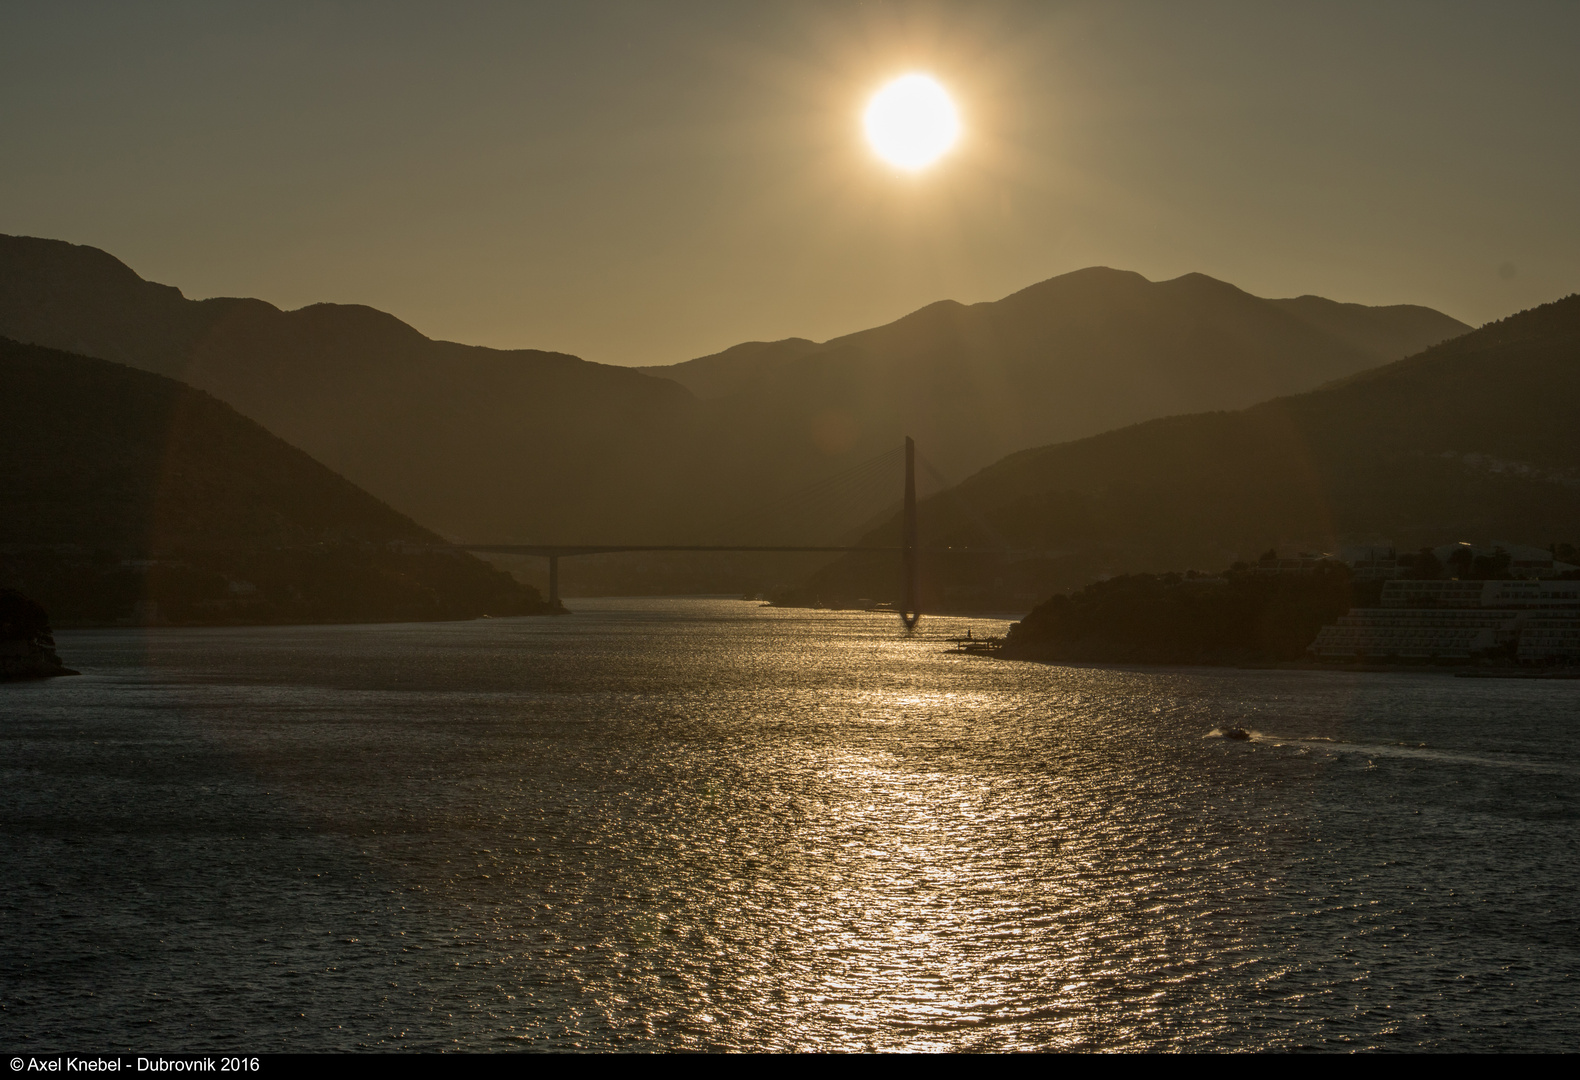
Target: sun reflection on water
775 830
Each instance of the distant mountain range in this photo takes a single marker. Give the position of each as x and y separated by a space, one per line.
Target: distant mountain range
526 446
1072 356
474 442
1473 439
128 496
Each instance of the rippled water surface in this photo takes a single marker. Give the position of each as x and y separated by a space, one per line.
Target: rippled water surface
679 824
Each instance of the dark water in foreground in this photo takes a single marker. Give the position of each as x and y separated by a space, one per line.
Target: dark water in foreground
700 824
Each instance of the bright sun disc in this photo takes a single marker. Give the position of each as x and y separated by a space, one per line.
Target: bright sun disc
911 122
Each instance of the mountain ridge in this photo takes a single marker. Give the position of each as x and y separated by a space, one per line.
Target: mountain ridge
702 377
1069 357
412 419
532 447
1472 437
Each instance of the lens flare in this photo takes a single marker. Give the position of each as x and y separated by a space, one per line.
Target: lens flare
912 122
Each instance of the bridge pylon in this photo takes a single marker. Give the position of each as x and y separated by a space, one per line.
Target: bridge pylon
911 601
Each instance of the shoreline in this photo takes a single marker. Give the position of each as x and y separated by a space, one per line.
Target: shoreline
1462 671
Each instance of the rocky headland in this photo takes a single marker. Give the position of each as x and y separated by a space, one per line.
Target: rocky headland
27 645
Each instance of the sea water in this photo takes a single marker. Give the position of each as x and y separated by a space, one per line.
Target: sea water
704 824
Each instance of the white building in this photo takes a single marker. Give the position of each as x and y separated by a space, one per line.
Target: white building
1531 620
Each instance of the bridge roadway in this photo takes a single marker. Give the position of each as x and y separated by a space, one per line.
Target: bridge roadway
908 549
552 552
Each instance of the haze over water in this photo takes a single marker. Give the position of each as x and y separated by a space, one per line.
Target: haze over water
700 824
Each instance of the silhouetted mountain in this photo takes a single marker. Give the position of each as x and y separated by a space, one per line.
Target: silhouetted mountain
1069 357
526 446
87 301
474 442
734 369
1473 438
123 489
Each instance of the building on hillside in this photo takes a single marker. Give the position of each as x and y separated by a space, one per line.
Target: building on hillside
1526 593
1532 621
1548 638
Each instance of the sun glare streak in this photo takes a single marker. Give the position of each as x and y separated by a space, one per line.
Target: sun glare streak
912 122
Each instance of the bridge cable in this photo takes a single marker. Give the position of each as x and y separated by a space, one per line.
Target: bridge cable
839 495
971 513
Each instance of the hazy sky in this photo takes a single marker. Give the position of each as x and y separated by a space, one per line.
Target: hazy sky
647 182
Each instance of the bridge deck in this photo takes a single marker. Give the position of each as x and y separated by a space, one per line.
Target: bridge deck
554 552
604 549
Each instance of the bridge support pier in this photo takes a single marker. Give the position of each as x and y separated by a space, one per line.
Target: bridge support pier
554 581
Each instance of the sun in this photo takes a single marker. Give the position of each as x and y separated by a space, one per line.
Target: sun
911 122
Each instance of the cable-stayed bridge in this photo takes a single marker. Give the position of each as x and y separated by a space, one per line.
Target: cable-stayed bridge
907 549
